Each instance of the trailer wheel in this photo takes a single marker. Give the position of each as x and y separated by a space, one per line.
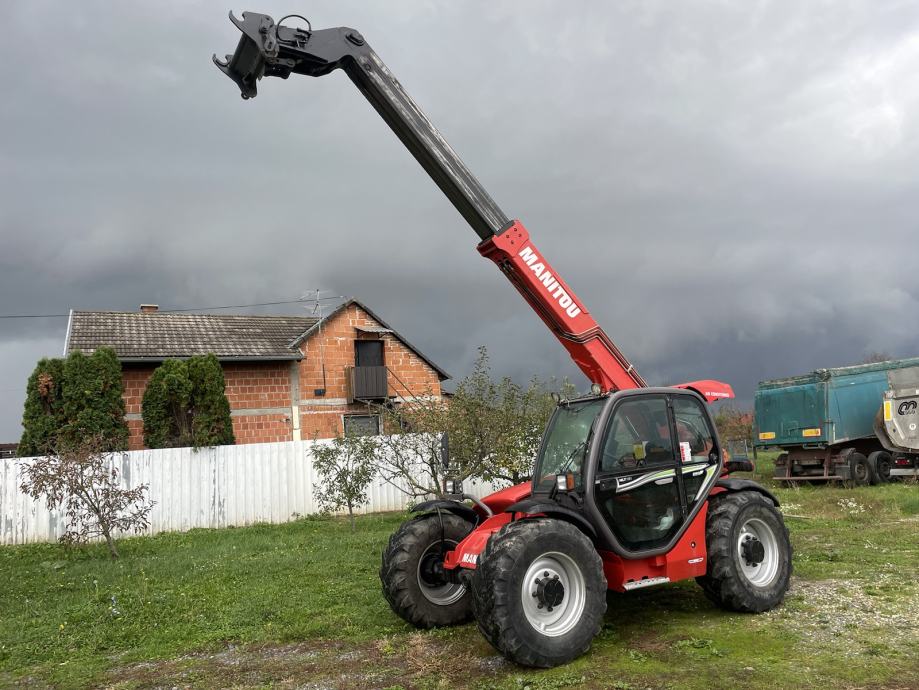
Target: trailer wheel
539 593
879 462
859 470
413 583
749 553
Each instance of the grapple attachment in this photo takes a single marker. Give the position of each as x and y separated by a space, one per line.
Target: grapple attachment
267 49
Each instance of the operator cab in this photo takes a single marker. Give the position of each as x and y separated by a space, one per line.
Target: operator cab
639 463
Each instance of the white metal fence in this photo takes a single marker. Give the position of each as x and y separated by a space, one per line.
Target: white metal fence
211 487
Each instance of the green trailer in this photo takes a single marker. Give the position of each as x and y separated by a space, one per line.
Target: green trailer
834 424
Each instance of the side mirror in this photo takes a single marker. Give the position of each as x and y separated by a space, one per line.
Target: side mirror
738 466
445 450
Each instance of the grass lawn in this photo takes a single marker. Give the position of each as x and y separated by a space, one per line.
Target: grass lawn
299 605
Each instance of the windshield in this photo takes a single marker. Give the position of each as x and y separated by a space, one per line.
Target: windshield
565 445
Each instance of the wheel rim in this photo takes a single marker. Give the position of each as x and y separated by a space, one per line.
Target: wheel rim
758 552
553 593
861 472
442 594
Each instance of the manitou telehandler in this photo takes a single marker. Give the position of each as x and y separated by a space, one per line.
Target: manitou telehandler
629 488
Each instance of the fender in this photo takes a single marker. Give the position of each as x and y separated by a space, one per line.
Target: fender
459 509
536 506
734 485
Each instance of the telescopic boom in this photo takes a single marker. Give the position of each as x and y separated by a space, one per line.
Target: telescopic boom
269 49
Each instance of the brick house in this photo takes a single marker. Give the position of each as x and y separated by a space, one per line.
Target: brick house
287 377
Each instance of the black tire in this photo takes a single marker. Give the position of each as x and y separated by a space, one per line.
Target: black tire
409 584
880 462
859 470
554 549
731 581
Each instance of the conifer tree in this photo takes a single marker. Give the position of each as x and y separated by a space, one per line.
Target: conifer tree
185 404
42 415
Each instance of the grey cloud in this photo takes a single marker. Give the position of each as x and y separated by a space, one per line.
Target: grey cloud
730 189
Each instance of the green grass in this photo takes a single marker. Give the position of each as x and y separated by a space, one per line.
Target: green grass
282 605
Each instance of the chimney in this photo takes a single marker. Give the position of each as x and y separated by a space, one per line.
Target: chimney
149 308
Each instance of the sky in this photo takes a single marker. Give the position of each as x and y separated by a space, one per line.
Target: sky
730 188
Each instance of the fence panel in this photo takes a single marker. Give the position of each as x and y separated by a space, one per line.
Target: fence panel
211 487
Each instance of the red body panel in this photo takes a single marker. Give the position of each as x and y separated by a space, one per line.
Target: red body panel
711 390
466 554
685 560
502 500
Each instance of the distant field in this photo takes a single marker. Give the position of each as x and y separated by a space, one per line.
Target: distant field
299 605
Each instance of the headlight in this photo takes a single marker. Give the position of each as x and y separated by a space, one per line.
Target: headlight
453 486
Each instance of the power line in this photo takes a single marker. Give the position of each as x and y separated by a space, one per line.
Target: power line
172 311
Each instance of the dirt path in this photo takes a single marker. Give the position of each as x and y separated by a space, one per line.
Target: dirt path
315 666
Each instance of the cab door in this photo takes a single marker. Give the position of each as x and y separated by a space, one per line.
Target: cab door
654 465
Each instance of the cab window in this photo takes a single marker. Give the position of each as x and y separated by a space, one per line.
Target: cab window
696 442
638 437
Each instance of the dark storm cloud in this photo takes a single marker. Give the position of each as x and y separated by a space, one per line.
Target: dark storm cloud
730 189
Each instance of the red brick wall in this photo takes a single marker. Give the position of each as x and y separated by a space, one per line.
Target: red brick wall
409 374
134 378
257 385
262 428
249 386
265 386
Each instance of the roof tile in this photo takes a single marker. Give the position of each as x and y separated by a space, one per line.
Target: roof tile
158 335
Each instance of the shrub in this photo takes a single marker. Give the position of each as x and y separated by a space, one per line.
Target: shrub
42 415
70 400
93 400
211 422
185 404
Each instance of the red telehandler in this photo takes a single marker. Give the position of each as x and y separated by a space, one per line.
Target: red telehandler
630 487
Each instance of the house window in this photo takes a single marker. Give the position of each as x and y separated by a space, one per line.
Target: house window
368 353
362 425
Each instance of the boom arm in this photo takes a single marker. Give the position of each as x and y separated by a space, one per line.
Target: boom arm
267 49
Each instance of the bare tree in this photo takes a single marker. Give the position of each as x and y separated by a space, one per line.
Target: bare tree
494 430
409 452
84 480
346 466
734 424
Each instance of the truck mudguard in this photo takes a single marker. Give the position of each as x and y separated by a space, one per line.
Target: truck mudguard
536 506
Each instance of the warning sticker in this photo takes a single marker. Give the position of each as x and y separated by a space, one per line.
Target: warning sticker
685 452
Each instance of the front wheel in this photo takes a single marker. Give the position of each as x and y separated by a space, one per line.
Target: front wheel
412 574
539 593
749 553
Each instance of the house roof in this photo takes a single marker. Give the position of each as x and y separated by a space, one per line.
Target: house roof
155 336
137 336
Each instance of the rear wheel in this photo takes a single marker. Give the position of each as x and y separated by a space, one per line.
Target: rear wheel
879 462
749 553
412 571
539 593
859 471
